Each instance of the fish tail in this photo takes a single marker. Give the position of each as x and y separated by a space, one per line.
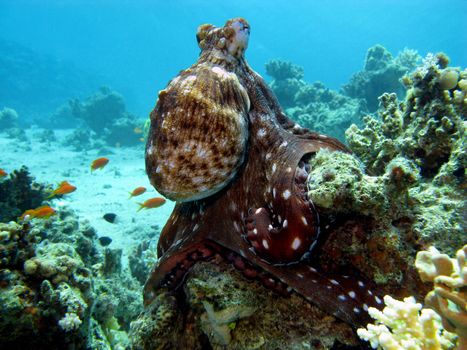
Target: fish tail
141 206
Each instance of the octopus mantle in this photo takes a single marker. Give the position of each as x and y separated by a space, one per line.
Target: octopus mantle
220 146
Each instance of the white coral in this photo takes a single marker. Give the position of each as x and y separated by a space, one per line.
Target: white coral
404 325
70 322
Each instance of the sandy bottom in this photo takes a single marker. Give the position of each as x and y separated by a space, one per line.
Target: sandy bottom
100 192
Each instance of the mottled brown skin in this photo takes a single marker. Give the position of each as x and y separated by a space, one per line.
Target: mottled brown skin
259 218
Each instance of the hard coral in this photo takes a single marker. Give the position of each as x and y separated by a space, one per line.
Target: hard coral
449 295
428 131
404 325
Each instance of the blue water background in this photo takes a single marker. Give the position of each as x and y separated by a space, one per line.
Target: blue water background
138 46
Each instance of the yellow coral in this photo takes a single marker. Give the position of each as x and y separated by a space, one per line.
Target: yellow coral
404 325
449 295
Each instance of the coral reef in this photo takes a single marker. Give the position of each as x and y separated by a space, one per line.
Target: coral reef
405 325
427 132
18 193
313 105
381 73
58 283
8 118
105 114
449 295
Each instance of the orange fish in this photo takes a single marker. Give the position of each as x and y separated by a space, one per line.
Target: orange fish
64 188
137 191
42 212
99 163
155 202
3 173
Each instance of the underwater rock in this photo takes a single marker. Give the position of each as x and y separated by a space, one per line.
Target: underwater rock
110 217
382 73
19 193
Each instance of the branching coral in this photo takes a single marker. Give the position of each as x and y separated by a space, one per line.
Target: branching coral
404 325
449 295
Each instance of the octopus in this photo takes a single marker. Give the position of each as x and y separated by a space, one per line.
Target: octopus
221 147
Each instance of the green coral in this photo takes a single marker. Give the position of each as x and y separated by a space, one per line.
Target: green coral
427 131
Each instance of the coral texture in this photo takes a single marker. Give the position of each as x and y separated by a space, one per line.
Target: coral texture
427 132
56 281
404 325
449 295
18 193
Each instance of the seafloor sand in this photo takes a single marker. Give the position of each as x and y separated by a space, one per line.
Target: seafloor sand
102 191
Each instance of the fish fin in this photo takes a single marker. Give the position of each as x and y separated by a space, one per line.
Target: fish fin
141 206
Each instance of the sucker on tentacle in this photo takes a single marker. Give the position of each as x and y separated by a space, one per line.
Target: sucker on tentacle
221 146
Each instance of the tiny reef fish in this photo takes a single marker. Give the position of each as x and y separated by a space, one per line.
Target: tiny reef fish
151 203
42 212
138 130
137 191
99 163
63 188
3 173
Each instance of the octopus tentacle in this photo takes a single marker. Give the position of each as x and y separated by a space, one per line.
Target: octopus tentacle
247 204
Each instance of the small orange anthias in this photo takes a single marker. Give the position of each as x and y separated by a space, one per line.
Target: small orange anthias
151 203
137 191
63 188
3 173
99 163
42 212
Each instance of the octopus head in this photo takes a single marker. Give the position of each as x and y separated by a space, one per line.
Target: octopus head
231 39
